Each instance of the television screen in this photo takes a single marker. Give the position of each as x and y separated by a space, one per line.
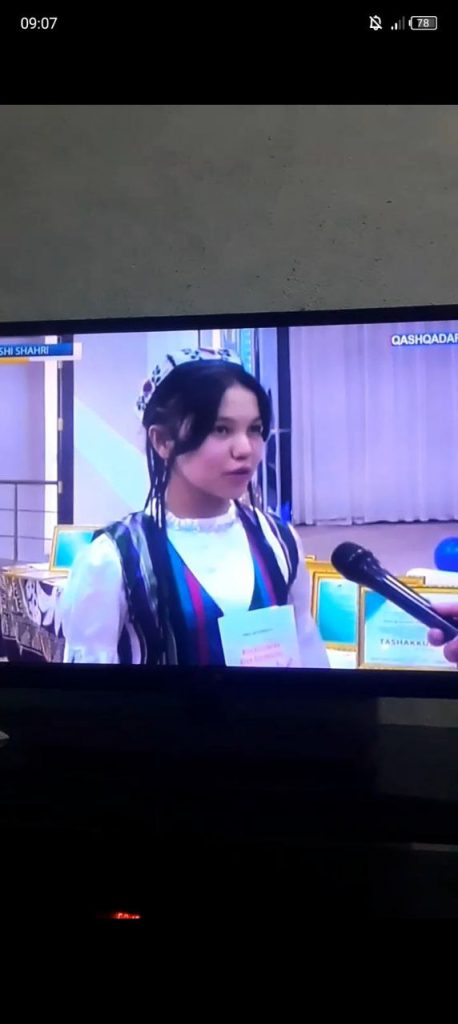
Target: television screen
250 492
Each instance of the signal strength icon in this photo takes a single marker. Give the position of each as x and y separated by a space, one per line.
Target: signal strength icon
399 25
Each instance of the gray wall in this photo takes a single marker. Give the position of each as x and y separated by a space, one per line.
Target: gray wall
131 210
124 210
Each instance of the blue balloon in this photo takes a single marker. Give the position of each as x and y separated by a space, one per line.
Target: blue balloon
446 555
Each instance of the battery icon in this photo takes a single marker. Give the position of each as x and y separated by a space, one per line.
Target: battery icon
425 24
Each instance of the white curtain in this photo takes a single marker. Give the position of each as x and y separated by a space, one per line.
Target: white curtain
374 426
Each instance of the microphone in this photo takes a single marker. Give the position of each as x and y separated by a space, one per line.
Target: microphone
361 566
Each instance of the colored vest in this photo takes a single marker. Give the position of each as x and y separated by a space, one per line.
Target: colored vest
190 613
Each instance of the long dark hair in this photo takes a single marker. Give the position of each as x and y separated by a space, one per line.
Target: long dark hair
191 394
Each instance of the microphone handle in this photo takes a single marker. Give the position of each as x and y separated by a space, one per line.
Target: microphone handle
414 604
403 588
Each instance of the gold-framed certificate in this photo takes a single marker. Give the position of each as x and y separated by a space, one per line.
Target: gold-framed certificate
318 565
67 542
335 608
390 638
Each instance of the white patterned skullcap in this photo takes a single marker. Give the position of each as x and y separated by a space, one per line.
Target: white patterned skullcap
173 359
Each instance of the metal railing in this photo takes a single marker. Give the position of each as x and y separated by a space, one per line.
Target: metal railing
16 510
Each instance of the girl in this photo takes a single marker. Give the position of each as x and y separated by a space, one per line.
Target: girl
151 588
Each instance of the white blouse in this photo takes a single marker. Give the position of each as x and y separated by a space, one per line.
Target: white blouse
94 606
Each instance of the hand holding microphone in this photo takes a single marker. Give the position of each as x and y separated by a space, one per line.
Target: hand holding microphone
436 636
360 565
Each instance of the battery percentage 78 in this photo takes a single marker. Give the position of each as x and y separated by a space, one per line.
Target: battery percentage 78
429 24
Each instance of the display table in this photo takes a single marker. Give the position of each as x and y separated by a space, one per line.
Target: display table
30 621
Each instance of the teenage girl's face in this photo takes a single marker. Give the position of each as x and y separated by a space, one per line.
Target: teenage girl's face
224 464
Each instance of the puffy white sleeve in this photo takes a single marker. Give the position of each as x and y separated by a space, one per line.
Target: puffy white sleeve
93 605
311 646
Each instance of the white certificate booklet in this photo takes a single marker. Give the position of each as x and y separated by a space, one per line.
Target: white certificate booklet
264 638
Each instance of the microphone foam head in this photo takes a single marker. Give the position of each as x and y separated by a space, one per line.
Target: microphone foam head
353 561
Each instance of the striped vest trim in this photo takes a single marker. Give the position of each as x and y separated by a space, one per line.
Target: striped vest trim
284 536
